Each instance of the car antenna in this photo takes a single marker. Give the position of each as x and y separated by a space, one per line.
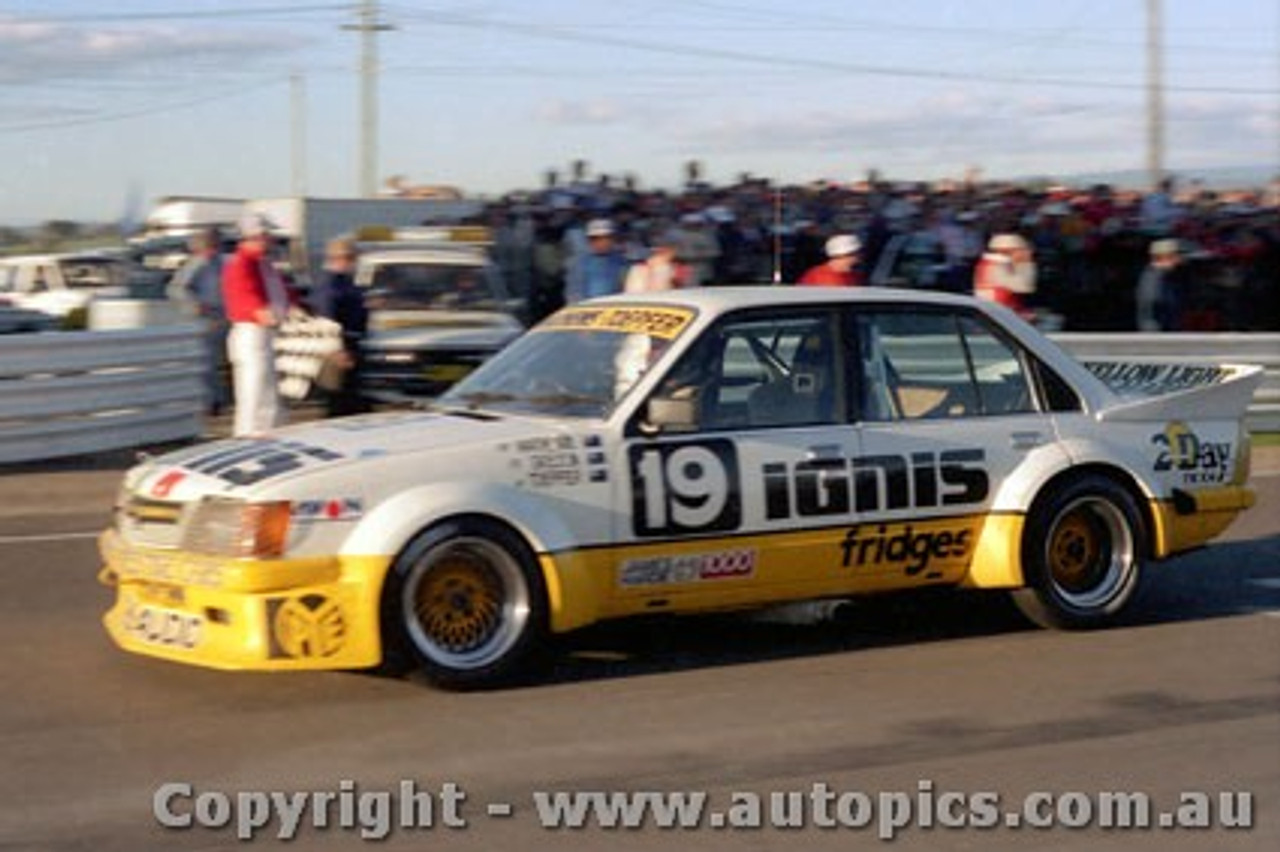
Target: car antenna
777 235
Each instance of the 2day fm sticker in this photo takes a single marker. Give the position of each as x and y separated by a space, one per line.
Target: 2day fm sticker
1181 451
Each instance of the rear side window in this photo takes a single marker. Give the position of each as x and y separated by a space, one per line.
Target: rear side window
1058 395
937 365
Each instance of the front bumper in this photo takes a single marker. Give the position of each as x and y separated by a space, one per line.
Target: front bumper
286 614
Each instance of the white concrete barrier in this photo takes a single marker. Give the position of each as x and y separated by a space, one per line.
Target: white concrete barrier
119 314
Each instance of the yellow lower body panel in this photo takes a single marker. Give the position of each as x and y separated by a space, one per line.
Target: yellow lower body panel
1209 512
320 614
997 560
737 572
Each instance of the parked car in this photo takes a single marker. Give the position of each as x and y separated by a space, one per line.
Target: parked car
683 452
62 285
913 260
436 313
18 320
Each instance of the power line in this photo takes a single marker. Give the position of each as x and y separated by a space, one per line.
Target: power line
687 51
244 12
128 114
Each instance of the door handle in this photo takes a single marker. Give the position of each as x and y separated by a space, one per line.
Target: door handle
1026 440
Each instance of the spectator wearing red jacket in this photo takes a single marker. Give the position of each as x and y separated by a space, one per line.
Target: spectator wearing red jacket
256 302
1006 274
839 270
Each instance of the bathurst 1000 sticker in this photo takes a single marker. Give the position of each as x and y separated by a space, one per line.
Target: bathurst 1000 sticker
688 568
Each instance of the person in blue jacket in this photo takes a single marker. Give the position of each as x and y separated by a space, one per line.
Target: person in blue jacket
336 296
602 269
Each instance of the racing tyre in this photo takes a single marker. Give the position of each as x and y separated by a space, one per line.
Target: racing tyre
466 604
1081 554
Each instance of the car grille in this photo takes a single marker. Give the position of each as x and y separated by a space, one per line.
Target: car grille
419 373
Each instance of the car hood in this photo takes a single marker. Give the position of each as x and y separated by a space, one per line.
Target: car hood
253 467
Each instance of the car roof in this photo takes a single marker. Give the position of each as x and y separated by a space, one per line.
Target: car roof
716 300
64 257
460 256
713 302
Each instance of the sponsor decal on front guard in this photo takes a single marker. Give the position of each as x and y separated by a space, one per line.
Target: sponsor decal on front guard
1180 451
545 444
688 568
334 509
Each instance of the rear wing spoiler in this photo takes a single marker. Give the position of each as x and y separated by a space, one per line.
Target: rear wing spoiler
1163 391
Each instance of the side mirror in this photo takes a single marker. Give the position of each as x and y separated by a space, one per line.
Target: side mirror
669 414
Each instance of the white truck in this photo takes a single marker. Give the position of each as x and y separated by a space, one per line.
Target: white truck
163 244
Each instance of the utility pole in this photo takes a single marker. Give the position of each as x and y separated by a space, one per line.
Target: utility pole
368 27
1155 94
298 100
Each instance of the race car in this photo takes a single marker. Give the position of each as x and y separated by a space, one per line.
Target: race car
683 452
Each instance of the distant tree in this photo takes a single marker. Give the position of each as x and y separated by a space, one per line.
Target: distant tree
56 231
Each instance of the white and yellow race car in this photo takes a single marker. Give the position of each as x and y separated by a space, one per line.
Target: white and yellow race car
727 448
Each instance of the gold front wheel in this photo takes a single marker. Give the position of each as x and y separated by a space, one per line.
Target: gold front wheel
466 603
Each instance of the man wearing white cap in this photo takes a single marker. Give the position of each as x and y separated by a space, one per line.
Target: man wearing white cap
1006 274
838 270
256 303
1157 295
600 271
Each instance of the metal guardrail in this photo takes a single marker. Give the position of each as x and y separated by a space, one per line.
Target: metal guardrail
1192 348
71 393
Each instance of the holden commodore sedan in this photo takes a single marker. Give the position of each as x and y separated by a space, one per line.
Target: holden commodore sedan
684 452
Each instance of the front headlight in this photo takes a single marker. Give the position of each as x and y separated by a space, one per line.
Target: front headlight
237 529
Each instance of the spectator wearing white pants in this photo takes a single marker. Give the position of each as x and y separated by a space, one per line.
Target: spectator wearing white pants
256 302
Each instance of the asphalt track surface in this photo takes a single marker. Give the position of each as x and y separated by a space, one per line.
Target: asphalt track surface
942 693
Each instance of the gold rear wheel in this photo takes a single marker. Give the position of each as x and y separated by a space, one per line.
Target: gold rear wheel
1081 553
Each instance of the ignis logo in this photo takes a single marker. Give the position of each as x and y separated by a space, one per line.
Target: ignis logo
838 486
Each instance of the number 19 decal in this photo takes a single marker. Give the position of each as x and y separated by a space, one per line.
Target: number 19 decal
681 488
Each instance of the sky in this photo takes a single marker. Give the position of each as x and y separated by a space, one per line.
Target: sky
106 107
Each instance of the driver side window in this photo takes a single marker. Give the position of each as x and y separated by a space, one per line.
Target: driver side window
760 371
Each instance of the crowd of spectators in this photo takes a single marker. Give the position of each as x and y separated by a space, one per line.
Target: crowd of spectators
1091 245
